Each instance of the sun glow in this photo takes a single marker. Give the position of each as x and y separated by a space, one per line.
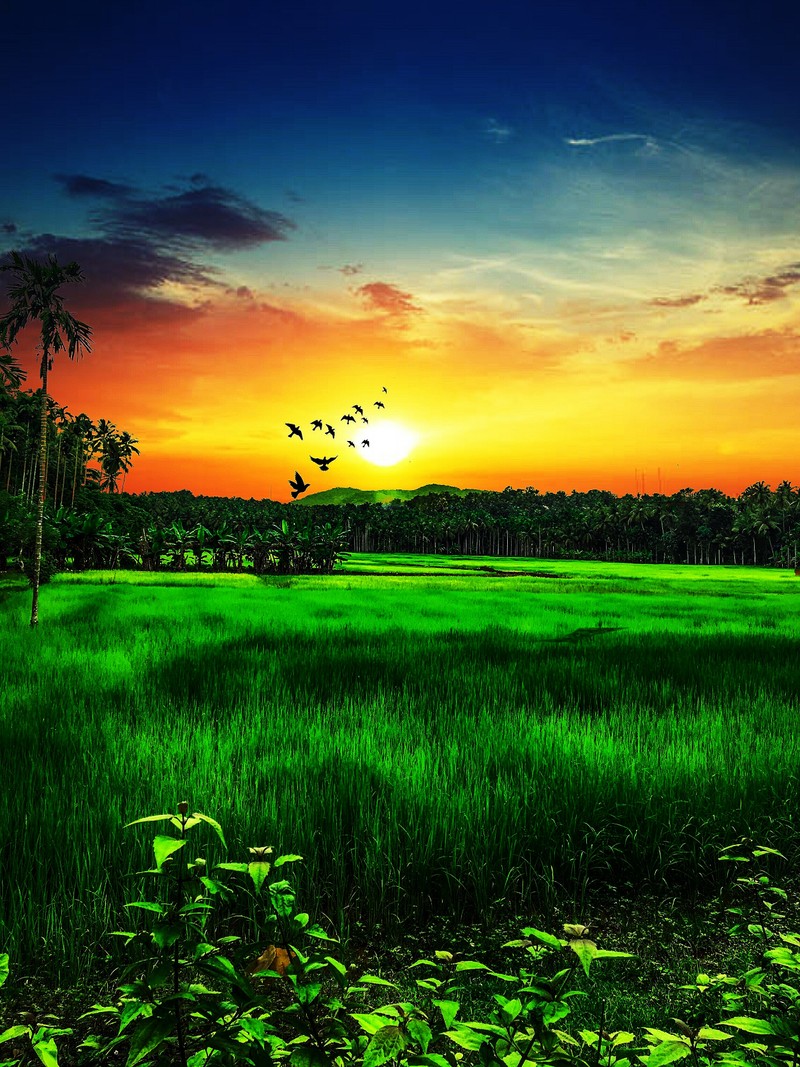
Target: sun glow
389 443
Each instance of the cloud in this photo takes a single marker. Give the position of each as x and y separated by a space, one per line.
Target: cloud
650 143
688 300
9 227
497 131
766 354
764 290
381 296
349 269
207 215
146 256
78 185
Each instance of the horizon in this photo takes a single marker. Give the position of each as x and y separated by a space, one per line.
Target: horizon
565 241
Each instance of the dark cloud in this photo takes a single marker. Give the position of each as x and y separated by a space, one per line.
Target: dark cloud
677 301
381 296
208 215
295 197
349 269
143 243
83 185
764 290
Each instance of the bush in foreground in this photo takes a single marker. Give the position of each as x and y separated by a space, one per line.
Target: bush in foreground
193 994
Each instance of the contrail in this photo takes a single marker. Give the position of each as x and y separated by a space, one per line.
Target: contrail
610 137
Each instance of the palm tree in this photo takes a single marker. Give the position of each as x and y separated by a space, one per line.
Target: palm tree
34 297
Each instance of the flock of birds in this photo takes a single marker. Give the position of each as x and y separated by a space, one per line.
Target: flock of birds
324 462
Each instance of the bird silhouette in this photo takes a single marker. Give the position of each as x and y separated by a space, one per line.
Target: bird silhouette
385 389
317 424
350 443
358 408
347 418
365 443
322 463
296 431
298 485
364 420
379 404
330 430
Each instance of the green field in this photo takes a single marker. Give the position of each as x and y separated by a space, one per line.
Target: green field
436 736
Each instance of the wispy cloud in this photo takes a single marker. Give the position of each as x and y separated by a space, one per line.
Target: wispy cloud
381 296
650 143
498 131
685 301
764 290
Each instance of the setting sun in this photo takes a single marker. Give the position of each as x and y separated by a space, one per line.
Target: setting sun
389 443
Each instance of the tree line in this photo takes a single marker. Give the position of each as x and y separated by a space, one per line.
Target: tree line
180 531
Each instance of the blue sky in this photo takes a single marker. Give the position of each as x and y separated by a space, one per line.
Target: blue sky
569 201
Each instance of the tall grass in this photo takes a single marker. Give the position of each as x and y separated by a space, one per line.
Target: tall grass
439 744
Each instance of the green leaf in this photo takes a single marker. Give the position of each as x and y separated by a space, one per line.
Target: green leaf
369 1022
258 871
307 994
554 1011
306 1056
315 930
337 966
147 905
752 1026
47 1052
510 1009
165 935
466 1038
3 967
134 1009
471 965
545 938
164 846
449 1010
585 950
147 1038
611 954
420 1032
708 1033
14 1031
386 1044
668 1052
290 858
148 818
371 979
215 826
230 866
431 1059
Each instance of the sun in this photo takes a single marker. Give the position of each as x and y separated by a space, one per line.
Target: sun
389 443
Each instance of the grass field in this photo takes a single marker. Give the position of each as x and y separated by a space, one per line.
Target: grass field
434 736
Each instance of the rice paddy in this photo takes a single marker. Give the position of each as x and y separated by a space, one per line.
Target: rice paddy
460 737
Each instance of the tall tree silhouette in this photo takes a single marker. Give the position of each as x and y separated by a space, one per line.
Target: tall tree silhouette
34 297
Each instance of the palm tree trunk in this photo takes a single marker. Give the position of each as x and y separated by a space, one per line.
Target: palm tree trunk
37 558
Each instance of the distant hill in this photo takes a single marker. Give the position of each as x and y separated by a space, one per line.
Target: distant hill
378 496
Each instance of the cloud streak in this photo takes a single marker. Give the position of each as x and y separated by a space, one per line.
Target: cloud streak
389 299
588 142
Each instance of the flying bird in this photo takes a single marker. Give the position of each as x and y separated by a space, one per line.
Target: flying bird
379 404
350 443
364 420
385 389
322 463
298 485
365 443
358 408
347 418
330 430
296 431
317 424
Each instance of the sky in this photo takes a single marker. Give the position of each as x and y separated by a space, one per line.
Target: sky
564 238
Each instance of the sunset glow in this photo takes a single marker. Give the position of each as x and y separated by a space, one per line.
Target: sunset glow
569 269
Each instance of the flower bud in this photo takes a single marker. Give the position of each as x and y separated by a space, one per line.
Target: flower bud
183 807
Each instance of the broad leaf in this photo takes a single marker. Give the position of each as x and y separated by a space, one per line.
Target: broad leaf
147 1038
148 818
258 871
668 1052
471 965
545 938
371 979
164 846
585 950
466 1038
751 1026
449 1010
47 1052
387 1044
215 826
3 967
420 1032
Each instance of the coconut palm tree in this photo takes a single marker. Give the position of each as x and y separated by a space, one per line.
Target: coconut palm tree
34 296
